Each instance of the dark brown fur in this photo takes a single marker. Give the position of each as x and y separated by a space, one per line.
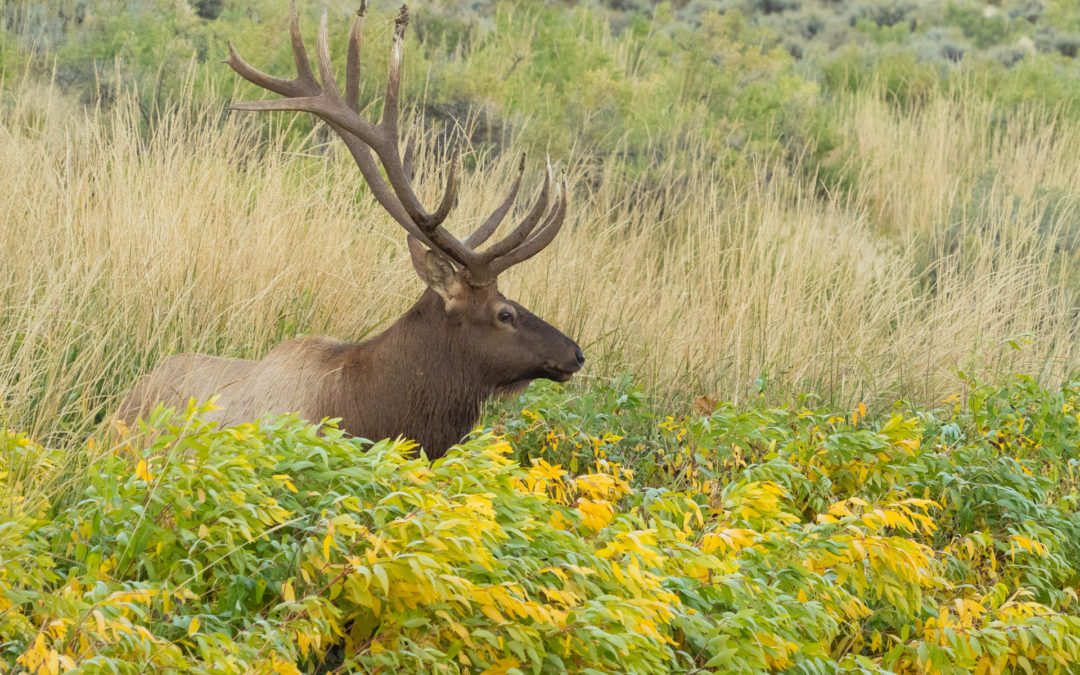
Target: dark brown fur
425 378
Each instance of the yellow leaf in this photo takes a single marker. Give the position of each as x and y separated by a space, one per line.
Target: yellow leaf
557 521
287 592
193 627
596 513
283 667
493 613
285 480
142 473
501 666
618 573
860 412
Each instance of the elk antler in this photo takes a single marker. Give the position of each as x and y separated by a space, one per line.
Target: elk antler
304 93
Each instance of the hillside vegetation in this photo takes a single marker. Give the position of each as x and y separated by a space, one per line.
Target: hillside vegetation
822 258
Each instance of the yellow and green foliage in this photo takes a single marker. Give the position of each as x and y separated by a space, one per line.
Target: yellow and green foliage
782 540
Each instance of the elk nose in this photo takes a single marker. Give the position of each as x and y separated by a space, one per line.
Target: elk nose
579 356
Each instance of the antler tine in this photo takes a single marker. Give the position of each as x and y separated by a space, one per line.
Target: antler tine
386 147
304 84
352 61
540 239
410 155
326 69
493 221
522 231
295 87
451 191
393 77
305 93
303 66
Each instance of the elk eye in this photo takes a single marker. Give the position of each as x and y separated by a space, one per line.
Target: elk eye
506 316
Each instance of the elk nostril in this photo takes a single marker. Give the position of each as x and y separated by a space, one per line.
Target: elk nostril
580 357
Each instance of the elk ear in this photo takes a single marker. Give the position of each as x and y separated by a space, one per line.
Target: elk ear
437 272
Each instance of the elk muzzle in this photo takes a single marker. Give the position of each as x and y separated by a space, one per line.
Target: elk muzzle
563 369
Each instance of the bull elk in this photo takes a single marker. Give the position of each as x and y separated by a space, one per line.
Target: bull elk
427 376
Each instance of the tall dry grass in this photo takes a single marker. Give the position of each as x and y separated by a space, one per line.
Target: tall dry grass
118 247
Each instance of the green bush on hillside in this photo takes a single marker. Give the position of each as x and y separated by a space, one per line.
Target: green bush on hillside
562 78
733 83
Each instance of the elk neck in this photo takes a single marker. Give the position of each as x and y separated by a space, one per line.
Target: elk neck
414 379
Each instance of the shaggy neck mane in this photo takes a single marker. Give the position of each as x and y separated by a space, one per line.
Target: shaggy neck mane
413 376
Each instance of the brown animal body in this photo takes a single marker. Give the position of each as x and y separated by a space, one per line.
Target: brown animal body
427 376
417 379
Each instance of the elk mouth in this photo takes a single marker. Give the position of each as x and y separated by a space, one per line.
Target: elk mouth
559 375
553 373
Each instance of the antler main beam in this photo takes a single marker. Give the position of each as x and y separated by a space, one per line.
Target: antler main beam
321 97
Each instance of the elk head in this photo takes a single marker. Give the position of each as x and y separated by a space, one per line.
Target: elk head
506 345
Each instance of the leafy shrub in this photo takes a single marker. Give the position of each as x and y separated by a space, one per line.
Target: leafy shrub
895 75
985 28
790 539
